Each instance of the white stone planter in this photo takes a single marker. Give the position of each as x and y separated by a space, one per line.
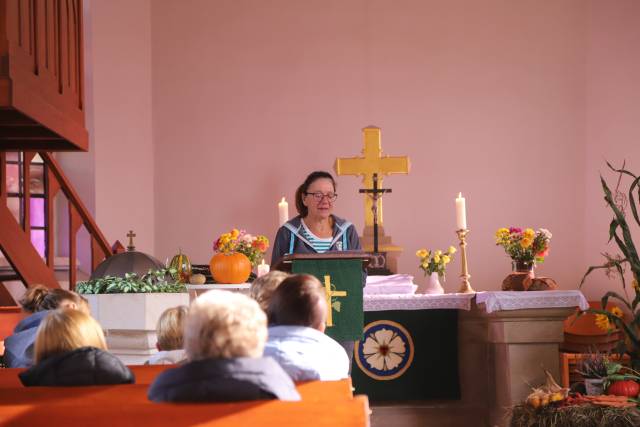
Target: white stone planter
129 321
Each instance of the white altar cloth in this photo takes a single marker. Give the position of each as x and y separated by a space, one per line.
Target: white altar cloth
513 300
381 302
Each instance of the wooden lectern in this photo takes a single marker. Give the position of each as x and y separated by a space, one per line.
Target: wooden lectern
343 276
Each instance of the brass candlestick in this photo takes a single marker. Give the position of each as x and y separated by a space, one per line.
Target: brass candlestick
465 287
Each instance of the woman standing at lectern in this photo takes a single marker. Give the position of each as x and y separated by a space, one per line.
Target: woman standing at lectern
315 229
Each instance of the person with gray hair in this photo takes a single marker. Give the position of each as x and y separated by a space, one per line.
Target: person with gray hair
224 339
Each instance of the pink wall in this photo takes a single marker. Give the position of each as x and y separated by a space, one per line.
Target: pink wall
613 121
486 98
515 104
116 178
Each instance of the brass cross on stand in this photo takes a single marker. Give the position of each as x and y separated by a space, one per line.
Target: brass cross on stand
131 235
329 293
375 193
372 162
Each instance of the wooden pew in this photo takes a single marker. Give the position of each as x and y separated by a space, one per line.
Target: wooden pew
323 403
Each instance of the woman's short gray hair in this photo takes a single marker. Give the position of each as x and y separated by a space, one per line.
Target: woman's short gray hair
224 325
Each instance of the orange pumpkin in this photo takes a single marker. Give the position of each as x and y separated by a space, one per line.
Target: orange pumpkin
231 268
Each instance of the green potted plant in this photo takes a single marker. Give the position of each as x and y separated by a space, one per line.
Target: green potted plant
593 369
620 232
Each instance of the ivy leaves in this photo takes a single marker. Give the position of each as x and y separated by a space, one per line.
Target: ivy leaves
155 281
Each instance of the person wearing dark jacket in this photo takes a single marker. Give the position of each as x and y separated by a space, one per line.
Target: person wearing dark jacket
70 350
37 301
224 339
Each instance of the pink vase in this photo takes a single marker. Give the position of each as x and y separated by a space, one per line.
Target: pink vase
432 286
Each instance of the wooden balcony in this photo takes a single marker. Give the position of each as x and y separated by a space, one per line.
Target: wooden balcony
41 76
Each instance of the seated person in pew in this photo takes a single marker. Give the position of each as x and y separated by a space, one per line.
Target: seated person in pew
262 288
170 331
224 339
37 300
297 315
70 350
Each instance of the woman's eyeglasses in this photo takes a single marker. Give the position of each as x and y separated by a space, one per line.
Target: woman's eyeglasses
318 196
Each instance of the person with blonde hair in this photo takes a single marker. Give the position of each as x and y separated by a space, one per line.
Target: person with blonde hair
170 331
39 301
224 339
70 350
262 287
297 315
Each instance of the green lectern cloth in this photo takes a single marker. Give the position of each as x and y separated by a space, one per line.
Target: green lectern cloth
344 275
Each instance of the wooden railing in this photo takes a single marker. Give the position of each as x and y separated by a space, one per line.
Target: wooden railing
16 243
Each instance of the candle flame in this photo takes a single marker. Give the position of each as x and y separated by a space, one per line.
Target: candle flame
282 201
460 195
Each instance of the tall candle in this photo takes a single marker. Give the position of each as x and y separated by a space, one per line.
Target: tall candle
283 211
263 269
461 213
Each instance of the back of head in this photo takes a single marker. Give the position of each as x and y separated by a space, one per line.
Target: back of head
224 325
62 298
170 328
262 288
33 298
65 330
299 301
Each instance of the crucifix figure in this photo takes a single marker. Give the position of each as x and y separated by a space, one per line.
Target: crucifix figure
375 193
329 294
374 163
131 235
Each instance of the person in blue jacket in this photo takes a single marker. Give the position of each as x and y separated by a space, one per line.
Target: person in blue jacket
316 229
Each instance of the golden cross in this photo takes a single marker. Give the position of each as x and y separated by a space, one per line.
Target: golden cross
131 235
329 293
372 162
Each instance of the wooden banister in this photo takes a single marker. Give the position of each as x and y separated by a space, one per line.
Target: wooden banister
76 202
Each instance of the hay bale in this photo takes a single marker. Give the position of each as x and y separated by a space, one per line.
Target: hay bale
574 416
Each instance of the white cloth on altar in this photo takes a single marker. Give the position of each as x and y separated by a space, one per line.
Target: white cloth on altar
514 300
393 284
384 302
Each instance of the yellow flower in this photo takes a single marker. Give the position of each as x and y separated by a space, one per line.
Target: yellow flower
602 322
235 233
451 250
425 264
526 242
446 259
438 252
617 311
422 253
529 233
502 232
436 258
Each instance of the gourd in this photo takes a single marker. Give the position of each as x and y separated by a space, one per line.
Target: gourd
230 268
626 388
182 265
198 279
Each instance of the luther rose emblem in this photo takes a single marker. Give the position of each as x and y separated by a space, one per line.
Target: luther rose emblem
386 351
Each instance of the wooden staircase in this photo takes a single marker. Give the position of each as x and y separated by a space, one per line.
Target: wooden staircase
41 111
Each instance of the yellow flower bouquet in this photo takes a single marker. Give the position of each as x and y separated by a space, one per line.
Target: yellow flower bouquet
435 261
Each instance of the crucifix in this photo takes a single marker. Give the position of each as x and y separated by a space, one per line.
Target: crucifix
373 162
329 293
375 193
131 235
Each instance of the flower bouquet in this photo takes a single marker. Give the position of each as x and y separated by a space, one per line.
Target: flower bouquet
435 261
236 253
524 246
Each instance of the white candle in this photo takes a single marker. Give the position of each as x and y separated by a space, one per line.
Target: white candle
263 269
461 213
283 211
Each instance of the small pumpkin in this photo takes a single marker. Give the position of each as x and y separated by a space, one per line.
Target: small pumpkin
182 265
626 388
197 279
230 268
